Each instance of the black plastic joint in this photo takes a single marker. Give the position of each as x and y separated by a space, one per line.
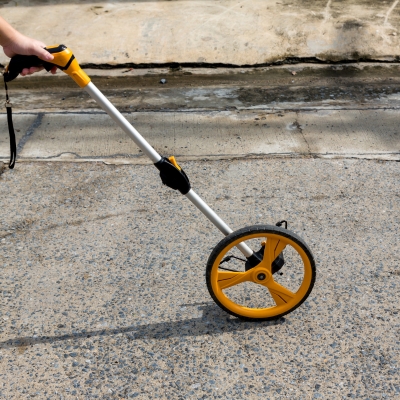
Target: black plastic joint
173 177
253 260
58 49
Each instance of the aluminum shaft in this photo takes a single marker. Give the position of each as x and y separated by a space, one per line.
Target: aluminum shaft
142 143
216 220
106 105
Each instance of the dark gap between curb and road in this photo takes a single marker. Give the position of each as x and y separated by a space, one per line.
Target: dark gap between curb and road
288 61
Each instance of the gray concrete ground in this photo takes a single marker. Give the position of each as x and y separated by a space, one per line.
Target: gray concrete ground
207 135
246 32
104 295
103 288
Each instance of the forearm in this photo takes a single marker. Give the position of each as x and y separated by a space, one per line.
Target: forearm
14 43
7 33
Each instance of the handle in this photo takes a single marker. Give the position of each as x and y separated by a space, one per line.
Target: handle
63 59
18 63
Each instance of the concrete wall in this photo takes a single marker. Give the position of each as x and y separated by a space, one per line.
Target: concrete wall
210 31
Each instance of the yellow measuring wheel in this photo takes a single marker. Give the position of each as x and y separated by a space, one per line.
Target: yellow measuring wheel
260 272
275 284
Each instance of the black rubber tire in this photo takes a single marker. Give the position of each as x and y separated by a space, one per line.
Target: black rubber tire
249 230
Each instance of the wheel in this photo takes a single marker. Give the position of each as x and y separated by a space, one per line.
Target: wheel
269 288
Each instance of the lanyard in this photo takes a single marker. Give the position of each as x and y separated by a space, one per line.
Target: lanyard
13 146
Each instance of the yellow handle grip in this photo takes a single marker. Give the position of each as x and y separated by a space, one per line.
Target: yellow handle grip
66 61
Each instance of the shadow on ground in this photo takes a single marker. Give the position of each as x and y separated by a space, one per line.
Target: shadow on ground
212 322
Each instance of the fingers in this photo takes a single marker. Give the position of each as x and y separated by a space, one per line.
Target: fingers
30 71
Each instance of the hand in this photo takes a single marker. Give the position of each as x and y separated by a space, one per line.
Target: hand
20 44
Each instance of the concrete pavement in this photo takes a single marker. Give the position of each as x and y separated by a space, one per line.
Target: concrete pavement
104 296
102 284
207 135
103 292
202 32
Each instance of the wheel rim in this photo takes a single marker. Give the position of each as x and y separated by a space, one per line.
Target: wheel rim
283 299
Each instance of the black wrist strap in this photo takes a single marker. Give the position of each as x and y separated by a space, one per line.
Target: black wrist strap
13 145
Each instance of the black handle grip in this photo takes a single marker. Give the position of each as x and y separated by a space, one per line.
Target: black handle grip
19 62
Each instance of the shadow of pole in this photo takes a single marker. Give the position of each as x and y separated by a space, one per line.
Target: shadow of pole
213 321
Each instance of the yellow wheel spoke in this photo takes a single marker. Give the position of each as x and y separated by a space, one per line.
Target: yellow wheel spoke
227 279
273 248
280 294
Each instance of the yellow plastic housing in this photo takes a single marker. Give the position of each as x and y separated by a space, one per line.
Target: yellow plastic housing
61 60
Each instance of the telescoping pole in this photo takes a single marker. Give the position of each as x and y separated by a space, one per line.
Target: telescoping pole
106 105
171 173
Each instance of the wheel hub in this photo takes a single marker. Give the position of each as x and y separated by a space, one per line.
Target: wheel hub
261 275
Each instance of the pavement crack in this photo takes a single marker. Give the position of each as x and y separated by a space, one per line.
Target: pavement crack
326 13
389 11
36 123
299 128
64 156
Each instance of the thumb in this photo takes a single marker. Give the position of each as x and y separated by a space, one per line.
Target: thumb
43 54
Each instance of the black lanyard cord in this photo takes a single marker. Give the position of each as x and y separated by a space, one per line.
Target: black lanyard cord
13 145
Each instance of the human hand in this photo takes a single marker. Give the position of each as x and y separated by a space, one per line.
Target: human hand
23 45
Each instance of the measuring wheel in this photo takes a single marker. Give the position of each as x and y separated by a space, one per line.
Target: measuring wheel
276 284
268 276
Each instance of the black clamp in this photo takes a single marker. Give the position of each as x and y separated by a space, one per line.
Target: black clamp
172 175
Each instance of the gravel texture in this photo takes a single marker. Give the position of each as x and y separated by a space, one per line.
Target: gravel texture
103 292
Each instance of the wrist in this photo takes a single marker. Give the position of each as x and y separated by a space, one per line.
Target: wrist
9 37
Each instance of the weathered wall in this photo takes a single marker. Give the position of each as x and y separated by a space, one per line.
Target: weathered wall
205 31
